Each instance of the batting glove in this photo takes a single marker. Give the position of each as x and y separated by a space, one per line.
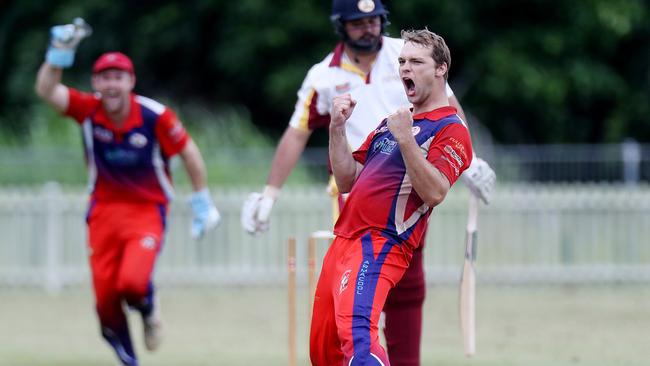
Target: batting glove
205 215
63 42
480 179
256 211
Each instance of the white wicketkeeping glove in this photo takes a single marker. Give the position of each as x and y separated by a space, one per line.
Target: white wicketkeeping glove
64 40
480 179
205 216
256 211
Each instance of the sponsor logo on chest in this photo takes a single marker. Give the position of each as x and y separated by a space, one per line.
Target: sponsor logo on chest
385 146
102 134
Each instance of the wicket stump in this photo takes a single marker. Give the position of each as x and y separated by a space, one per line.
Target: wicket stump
312 243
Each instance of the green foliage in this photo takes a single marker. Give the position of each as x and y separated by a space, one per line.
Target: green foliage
235 151
557 72
532 71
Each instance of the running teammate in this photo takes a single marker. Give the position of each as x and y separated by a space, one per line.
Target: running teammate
128 141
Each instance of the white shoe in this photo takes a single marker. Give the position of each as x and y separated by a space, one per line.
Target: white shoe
153 328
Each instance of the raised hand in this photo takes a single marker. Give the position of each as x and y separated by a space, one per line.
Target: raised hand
480 179
400 124
342 108
64 40
256 210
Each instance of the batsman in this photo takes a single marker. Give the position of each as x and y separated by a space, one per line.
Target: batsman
129 140
364 65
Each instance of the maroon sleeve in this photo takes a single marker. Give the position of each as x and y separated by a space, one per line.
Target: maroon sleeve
316 120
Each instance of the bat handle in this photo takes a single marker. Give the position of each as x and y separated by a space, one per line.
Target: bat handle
472 213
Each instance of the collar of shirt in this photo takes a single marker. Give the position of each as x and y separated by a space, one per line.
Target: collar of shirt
133 120
436 114
337 58
340 59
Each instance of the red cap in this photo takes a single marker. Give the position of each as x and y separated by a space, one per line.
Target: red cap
113 60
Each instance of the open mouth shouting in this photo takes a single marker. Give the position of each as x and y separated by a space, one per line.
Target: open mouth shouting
409 86
112 100
113 94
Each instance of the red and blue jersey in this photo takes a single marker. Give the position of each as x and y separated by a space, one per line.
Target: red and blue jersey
383 197
130 162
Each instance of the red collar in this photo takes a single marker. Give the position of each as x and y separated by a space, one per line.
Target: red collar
338 55
437 113
133 120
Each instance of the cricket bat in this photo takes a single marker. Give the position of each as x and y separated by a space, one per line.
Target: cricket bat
468 282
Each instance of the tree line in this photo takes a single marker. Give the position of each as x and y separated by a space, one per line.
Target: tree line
530 71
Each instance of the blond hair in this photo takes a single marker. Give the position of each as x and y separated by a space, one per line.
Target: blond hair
424 37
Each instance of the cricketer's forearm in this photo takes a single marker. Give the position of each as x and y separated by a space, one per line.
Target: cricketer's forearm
290 148
344 167
429 183
49 88
194 165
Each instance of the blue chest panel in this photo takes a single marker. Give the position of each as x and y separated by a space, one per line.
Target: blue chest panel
126 150
384 143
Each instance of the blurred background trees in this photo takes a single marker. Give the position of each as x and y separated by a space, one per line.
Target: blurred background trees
533 71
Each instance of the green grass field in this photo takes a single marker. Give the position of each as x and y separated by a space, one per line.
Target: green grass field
585 325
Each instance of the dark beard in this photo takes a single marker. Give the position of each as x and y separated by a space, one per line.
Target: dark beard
365 45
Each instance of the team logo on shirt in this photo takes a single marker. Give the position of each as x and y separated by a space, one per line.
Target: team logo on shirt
415 130
344 281
176 132
102 134
366 6
342 88
138 140
148 242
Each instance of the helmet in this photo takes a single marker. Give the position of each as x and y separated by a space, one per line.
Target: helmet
344 10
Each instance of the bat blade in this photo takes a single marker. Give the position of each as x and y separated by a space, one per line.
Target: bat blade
467 296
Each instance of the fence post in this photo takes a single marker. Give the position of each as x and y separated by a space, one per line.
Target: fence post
631 154
51 194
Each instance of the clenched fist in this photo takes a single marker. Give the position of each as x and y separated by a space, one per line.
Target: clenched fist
400 124
342 108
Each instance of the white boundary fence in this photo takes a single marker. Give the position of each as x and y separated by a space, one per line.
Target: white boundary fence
529 234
